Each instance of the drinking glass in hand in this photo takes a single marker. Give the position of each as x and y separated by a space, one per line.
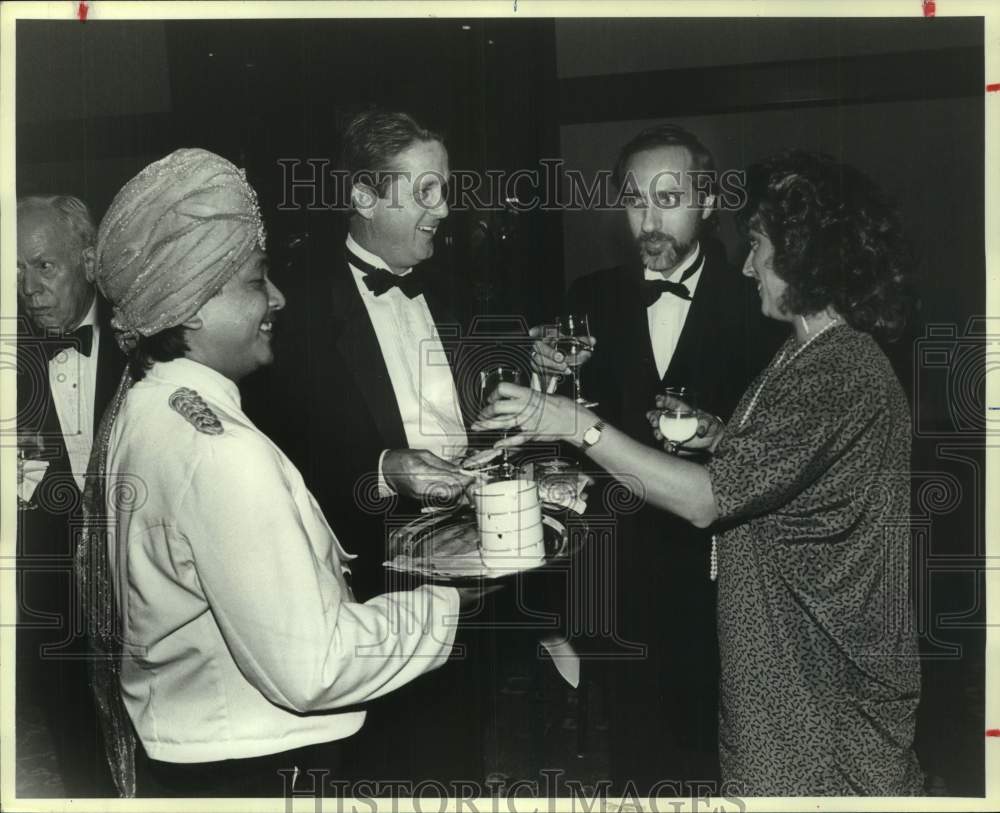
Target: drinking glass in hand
678 422
30 446
571 336
489 379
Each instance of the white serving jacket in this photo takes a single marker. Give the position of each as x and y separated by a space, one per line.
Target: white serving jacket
242 636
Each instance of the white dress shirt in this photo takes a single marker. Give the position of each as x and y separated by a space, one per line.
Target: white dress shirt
73 382
417 365
666 316
241 634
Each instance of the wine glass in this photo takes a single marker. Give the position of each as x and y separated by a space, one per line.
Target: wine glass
490 378
30 446
571 336
678 422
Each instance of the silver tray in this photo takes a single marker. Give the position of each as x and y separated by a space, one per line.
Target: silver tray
411 548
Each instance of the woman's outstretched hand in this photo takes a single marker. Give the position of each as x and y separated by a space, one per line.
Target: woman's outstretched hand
539 417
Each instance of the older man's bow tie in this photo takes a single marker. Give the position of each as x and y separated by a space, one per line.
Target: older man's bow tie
380 280
81 340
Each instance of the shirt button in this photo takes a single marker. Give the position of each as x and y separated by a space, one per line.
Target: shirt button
60 378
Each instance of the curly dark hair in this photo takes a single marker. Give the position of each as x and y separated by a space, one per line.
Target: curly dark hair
166 345
838 240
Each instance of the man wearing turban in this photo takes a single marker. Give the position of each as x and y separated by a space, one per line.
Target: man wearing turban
235 642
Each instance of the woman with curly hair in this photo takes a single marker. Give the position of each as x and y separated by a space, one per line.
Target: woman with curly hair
807 491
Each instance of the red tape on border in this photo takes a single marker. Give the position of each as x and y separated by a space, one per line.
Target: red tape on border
930 8
993 732
993 88
82 11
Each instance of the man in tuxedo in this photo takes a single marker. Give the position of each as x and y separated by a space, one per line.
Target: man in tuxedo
678 315
69 366
384 420
381 416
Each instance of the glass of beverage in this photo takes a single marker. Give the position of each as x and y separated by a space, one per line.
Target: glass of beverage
489 379
571 336
678 421
30 446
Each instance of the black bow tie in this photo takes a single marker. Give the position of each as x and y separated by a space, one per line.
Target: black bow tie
81 340
653 288
380 280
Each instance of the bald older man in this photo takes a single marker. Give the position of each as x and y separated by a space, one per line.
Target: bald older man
67 326
68 367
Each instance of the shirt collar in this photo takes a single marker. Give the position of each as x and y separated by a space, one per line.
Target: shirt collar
368 257
676 274
208 383
91 317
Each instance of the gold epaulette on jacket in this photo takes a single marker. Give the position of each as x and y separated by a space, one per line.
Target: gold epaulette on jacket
196 412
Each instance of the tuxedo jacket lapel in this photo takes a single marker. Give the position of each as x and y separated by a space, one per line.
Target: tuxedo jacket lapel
450 332
683 363
110 363
637 320
714 337
635 351
356 343
689 353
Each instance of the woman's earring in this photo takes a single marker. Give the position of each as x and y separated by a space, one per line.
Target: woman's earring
805 324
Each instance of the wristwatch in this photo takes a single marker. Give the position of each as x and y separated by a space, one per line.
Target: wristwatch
592 435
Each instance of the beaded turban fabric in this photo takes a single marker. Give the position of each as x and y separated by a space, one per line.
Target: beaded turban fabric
172 237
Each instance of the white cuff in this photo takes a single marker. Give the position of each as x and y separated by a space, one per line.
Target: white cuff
536 383
32 472
384 489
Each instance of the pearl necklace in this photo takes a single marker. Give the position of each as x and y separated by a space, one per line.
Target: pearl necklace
779 364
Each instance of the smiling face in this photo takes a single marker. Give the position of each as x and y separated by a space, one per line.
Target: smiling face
232 331
662 212
759 266
400 226
54 270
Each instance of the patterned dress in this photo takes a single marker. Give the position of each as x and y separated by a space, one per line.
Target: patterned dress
820 676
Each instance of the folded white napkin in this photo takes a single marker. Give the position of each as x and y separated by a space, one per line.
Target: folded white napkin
562 493
32 472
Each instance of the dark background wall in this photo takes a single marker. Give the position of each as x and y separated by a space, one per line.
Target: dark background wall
901 99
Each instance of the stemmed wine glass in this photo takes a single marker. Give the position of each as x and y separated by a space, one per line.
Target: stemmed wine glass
571 336
678 422
489 379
